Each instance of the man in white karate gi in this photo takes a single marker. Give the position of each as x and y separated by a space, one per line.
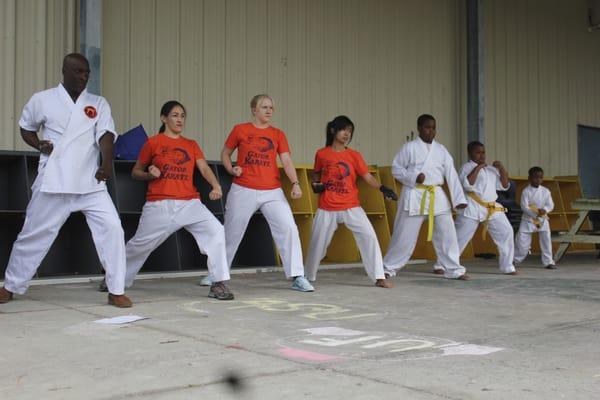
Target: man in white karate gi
76 127
421 166
481 181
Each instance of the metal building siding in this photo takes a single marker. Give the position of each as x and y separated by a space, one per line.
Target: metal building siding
381 62
541 80
36 34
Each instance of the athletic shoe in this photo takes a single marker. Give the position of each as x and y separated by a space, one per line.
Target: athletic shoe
551 266
220 291
102 286
206 281
302 284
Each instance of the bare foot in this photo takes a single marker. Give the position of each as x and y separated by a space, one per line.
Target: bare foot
383 283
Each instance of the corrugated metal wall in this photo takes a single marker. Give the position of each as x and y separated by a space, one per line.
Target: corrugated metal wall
542 79
35 36
381 62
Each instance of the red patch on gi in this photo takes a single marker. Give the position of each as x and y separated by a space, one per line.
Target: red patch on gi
90 112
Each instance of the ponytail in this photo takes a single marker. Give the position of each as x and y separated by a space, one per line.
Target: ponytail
339 123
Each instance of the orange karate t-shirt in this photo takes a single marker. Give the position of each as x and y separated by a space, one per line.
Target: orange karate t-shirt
257 155
176 159
339 171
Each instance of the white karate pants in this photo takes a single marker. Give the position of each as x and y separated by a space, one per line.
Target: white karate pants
242 203
160 219
404 239
499 230
523 245
46 214
324 226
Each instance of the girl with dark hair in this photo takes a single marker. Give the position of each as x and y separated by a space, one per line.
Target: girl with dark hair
334 178
167 162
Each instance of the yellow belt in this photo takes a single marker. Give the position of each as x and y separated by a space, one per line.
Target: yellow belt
491 209
428 189
539 220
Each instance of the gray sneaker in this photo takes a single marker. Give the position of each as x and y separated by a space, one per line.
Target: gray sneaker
220 291
302 284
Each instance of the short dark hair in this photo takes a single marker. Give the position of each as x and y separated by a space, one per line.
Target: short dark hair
473 145
339 123
424 118
535 170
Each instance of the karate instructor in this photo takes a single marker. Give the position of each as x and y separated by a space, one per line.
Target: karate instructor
76 128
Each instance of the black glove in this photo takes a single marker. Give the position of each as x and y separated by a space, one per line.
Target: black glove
318 187
388 193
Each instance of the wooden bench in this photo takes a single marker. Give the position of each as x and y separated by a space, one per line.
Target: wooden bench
583 206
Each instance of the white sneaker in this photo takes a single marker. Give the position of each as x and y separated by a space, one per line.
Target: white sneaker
302 284
206 281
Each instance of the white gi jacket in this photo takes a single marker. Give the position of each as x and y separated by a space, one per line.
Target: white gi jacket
486 184
539 197
437 164
74 129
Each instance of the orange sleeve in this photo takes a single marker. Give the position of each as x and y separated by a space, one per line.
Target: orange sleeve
318 162
282 143
198 153
233 139
361 166
145 156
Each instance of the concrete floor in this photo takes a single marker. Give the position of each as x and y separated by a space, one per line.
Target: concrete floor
534 336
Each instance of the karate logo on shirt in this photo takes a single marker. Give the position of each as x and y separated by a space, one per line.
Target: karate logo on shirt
336 174
260 155
173 160
90 111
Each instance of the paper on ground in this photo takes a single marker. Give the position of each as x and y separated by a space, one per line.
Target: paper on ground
123 319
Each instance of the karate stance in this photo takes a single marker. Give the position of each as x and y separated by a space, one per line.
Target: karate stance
335 171
256 186
481 181
167 162
536 204
76 127
421 166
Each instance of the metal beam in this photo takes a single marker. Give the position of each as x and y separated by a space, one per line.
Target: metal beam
90 44
475 72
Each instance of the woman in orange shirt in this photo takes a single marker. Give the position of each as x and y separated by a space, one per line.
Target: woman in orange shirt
335 172
256 186
167 162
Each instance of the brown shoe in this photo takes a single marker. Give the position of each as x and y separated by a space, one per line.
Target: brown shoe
463 277
438 271
384 283
5 296
119 300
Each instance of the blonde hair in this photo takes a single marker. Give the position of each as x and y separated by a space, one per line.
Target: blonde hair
256 100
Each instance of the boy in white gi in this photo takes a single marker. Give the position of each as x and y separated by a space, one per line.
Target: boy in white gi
421 166
480 182
76 127
536 204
